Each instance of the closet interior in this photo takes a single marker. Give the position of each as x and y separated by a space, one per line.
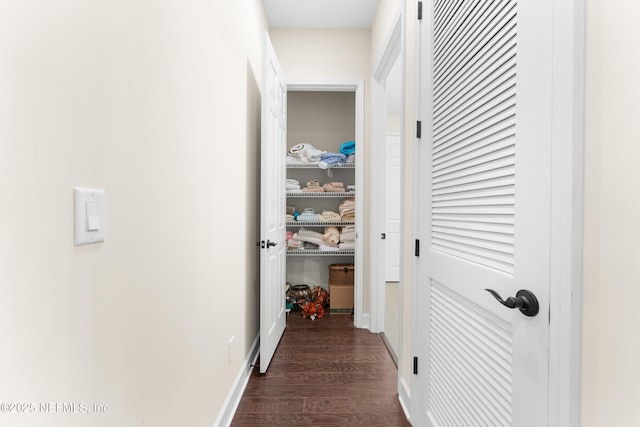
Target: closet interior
321 194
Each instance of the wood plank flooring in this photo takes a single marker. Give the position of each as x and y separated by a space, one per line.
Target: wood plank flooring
324 373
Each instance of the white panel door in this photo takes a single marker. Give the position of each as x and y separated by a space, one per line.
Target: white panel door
272 205
392 203
486 217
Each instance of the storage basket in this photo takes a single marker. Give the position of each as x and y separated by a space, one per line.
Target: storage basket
341 274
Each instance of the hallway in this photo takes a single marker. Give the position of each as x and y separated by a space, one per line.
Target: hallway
324 373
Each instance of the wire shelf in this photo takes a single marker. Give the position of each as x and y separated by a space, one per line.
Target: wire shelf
319 223
316 252
315 166
301 193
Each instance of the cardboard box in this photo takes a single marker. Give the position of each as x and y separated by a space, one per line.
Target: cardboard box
341 298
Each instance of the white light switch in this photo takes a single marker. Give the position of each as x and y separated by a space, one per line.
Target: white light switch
89 215
93 216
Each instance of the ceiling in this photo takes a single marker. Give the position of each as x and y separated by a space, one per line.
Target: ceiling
320 13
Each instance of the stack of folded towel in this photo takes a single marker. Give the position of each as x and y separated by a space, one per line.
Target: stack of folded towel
313 237
313 186
291 210
331 159
347 210
292 186
330 216
292 242
308 215
348 238
334 187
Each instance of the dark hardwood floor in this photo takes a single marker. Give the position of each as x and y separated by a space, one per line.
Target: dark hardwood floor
324 373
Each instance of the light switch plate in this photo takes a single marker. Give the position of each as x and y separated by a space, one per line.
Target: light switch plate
90 210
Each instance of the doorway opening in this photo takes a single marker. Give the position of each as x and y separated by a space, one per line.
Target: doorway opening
328 114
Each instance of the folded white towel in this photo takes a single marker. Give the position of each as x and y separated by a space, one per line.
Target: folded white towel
348 237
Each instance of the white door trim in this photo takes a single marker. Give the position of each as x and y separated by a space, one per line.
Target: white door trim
361 320
393 49
565 341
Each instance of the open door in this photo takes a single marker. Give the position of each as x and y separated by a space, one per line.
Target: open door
485 218
272 205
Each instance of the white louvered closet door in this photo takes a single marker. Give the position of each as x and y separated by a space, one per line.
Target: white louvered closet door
487 192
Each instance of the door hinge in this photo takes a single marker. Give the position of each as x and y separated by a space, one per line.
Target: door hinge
415 365
417 252
383 236
418 129
419 10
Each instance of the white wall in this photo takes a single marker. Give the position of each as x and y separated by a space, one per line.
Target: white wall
157 102
323 119
611 342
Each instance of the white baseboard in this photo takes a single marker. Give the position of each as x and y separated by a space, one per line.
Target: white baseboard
404 396
235 394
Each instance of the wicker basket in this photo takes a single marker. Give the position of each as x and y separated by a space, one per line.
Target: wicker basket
341 274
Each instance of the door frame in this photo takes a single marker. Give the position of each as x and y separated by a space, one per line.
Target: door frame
393 49
566 261
360 319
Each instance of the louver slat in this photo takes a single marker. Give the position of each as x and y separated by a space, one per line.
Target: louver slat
470 367
473 131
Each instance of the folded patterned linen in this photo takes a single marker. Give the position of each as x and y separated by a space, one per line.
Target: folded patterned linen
325 248
332 235
294 244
